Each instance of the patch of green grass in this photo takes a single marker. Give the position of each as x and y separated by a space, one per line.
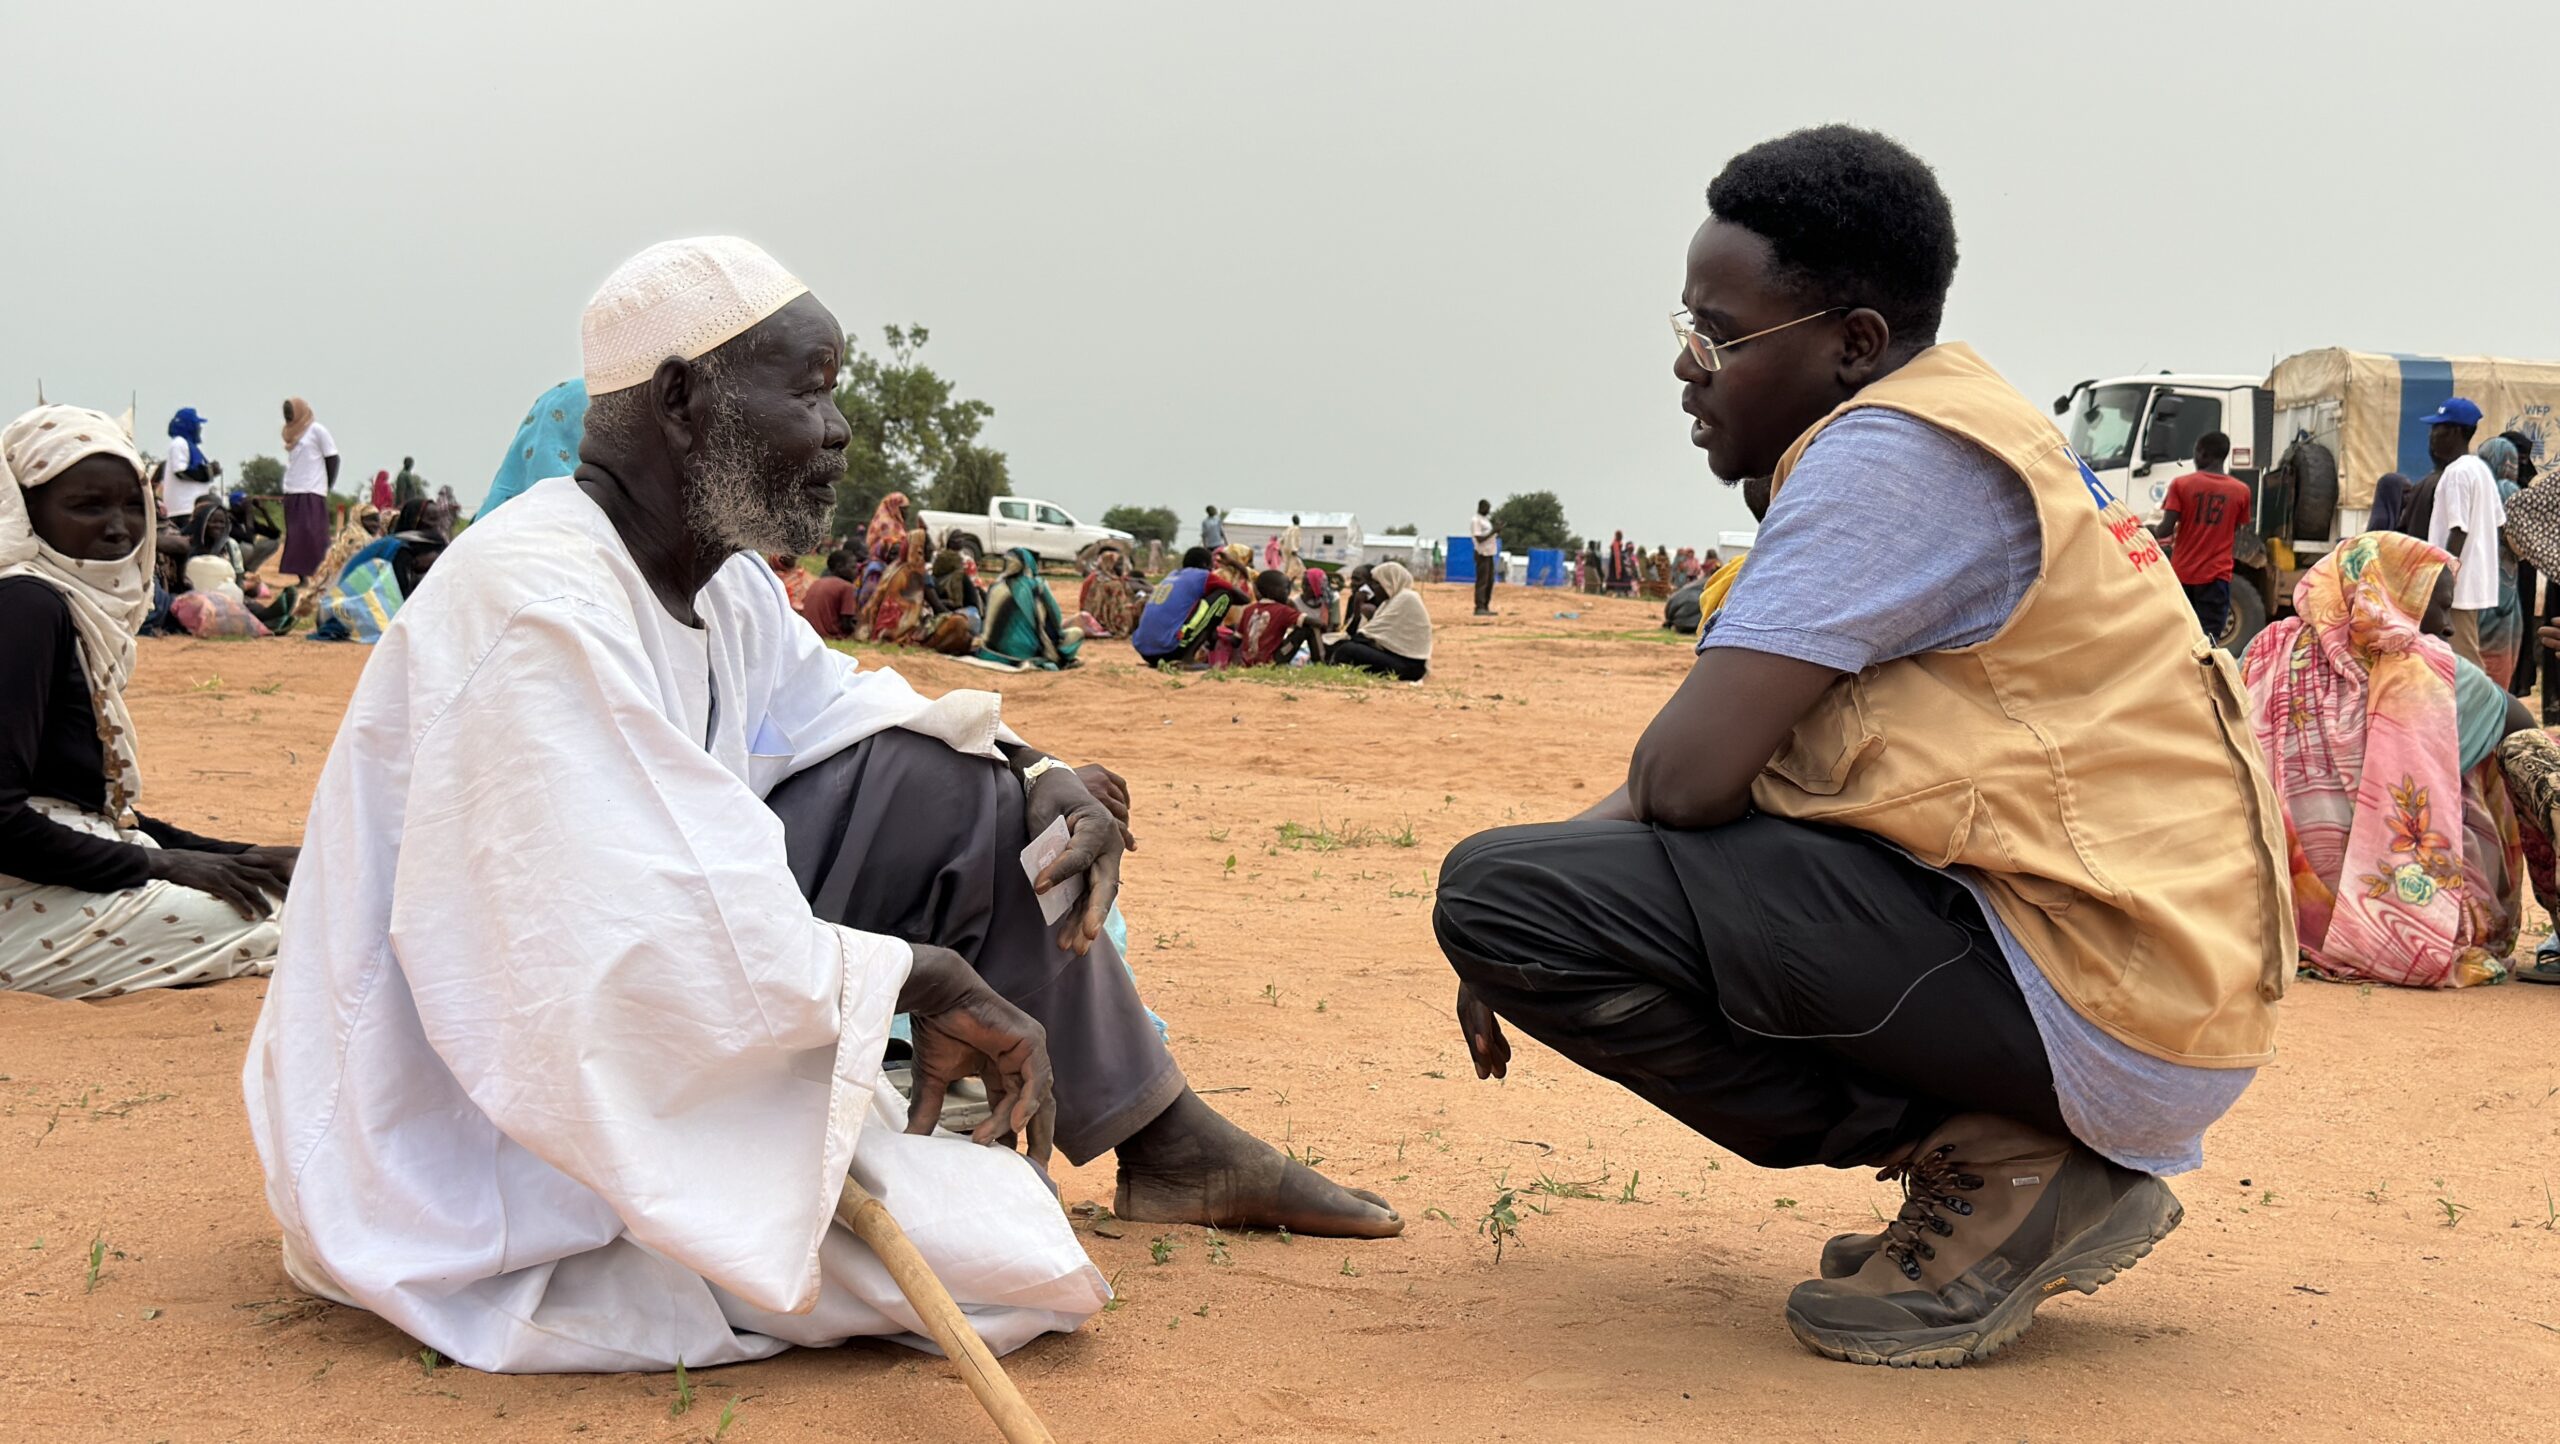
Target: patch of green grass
1315 674
1501 1221
1627 1194
1161 1250
428 1359
728 1416
97 1257
684 1394
2453 1211
1555 1187
1331 837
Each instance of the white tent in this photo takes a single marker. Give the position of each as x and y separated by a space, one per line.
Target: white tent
1331 537
1413 551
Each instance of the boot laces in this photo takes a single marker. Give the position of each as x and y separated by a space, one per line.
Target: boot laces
1930 1183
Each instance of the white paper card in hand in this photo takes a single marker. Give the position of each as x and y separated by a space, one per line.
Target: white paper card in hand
1044 850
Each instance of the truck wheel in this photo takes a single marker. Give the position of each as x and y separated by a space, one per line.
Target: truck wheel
2248 614
2315 499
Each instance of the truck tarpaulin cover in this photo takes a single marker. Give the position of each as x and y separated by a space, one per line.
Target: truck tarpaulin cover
2384 400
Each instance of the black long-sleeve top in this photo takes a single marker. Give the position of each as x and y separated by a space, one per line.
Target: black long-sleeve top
49 748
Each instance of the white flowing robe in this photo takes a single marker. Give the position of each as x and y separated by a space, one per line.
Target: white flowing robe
557 1071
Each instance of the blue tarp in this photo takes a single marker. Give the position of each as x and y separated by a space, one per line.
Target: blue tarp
1462 559
1546 567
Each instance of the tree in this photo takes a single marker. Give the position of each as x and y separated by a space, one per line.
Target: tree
971 478
1533 519
1146 523
911 433
262 476
1408 529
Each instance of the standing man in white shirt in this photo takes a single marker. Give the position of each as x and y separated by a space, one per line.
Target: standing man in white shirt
2465 521
310 473
1488 535
189 474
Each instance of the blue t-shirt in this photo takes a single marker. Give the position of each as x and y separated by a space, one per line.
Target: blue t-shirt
1892 538
1159 629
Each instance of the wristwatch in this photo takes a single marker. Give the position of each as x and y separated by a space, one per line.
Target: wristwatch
1032 773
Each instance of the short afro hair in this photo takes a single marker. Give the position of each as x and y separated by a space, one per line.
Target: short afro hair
1852 217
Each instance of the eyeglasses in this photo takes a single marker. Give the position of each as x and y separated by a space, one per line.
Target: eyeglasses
1710 352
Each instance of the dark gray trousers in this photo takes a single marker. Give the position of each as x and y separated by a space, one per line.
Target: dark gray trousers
1799 994
903 836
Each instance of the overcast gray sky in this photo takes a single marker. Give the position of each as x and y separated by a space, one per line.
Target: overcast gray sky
1383 257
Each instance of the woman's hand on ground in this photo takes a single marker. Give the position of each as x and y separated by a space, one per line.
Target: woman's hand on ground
964 1029
1095 841
236 878
1483 1031
1111 790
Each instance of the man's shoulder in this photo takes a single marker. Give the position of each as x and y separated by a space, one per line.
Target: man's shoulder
550 543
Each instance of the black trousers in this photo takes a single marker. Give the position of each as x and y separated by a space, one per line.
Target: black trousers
1369 657
1799 994
1484 581
903 836
2212 604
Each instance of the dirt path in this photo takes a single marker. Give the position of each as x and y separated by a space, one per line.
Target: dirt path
2371 1249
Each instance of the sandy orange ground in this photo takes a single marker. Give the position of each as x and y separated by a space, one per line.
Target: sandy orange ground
2370 1252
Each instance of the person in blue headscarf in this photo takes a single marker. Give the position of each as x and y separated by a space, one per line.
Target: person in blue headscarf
188 475
546 445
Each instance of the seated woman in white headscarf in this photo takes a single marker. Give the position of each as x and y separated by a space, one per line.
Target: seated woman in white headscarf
1395 641
97 899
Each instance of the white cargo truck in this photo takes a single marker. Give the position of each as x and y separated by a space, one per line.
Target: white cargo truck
2310 438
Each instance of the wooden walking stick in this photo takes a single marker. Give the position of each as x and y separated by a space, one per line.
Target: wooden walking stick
869 1219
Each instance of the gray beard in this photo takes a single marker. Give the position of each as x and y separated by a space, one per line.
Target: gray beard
737 495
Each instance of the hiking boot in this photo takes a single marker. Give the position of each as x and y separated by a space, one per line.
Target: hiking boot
1847 1253
1996 1218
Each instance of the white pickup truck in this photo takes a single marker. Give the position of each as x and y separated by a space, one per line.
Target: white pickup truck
1018 521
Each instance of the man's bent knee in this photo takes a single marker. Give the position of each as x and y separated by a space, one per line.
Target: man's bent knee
1482 883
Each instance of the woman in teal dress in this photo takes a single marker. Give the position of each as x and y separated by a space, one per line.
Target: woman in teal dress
1024 625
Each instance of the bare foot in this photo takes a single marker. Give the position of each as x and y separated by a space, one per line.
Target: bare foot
1192 1166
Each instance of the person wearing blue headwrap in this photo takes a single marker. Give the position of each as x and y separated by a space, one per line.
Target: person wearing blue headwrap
546 445
188 474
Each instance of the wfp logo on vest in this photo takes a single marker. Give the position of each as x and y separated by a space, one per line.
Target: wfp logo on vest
2098 492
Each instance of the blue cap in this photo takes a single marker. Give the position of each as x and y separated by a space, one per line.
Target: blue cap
2457 412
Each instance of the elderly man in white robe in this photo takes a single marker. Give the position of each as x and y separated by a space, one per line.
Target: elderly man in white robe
615 878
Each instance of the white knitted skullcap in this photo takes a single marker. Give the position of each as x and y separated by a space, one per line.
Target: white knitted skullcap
680 299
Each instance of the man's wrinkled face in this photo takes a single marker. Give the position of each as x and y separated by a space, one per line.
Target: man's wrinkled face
763 478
